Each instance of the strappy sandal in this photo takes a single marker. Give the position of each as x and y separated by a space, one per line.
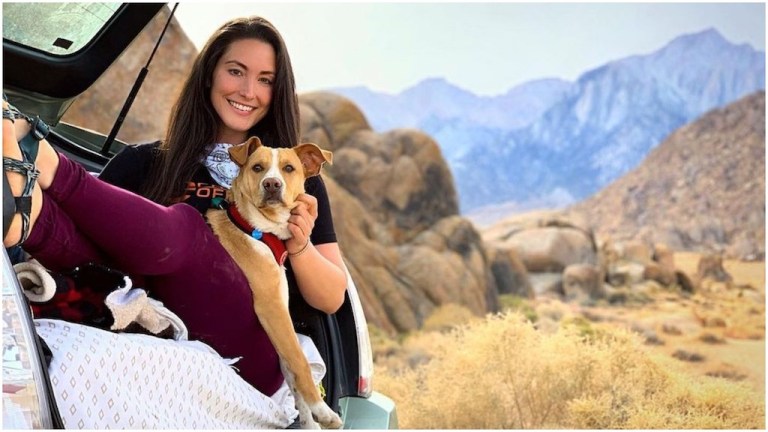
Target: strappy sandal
29 146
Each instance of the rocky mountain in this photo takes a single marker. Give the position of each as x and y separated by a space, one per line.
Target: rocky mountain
701 189
551 143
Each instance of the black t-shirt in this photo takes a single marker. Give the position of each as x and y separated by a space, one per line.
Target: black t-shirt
130 168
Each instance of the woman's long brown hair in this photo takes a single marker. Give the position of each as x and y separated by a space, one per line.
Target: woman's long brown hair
193 125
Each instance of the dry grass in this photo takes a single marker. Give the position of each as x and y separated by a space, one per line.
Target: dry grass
447 316
501 372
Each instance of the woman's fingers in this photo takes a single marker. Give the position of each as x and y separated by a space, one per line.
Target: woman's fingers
302 221
309 203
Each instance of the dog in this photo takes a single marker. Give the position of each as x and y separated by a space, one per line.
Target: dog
259 205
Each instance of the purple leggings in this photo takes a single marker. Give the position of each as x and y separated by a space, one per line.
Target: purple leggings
84 219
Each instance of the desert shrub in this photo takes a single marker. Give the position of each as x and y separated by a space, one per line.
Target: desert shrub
447 316
689 403
407 351
382 344
515 303
501 373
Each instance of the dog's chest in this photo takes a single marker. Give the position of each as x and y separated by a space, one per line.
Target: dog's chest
260 248
269 247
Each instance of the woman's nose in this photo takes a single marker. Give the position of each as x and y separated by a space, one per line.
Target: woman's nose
247 89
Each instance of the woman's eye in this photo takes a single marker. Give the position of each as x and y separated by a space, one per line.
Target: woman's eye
289 168
265 80
257 168
236 72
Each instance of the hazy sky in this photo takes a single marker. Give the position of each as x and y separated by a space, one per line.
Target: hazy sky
487 48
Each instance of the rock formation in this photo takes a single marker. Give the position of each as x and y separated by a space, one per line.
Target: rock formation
396 216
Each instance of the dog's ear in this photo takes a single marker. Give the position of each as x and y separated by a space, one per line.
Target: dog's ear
239 153
312 158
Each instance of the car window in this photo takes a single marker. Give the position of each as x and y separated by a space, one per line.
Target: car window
56 28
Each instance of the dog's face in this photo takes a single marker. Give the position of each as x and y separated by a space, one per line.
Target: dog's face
271 179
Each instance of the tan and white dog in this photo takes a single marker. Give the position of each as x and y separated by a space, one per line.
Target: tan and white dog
260 203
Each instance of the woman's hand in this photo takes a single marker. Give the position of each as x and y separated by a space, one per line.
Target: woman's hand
301 223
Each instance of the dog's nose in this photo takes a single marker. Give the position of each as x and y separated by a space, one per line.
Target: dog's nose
272 184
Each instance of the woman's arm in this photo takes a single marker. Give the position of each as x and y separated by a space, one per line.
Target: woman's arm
321 277
319 269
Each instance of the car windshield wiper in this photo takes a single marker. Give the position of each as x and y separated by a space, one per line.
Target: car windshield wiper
134 91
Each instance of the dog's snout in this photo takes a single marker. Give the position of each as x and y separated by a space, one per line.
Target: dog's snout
272 184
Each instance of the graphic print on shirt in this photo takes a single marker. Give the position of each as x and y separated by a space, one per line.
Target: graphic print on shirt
196 191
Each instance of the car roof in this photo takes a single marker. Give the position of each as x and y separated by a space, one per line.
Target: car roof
62 66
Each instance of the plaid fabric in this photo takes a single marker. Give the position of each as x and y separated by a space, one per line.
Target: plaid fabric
80 296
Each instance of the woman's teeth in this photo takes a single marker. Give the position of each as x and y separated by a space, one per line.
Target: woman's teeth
241 107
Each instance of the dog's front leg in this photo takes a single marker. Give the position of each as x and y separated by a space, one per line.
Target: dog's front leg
306 418
277 323
276 320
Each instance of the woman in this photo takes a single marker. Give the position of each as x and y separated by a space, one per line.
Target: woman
241 85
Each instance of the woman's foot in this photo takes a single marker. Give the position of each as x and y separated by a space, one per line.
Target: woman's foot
46 163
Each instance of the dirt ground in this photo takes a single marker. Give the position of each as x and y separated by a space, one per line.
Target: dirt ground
717 331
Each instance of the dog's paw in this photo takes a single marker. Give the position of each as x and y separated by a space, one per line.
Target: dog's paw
325 416
309 424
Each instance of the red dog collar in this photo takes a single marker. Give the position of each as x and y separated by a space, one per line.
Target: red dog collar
276 245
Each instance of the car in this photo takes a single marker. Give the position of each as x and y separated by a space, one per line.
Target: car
44 72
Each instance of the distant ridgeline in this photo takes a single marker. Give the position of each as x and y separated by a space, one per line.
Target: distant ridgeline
550 143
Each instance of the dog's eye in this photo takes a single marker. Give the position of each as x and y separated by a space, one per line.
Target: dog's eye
258 168
289 168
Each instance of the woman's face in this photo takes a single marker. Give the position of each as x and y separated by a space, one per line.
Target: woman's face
241 88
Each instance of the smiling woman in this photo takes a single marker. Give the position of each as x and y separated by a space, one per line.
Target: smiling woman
241 85
256 96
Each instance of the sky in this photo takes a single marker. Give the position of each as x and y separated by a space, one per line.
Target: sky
486 48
